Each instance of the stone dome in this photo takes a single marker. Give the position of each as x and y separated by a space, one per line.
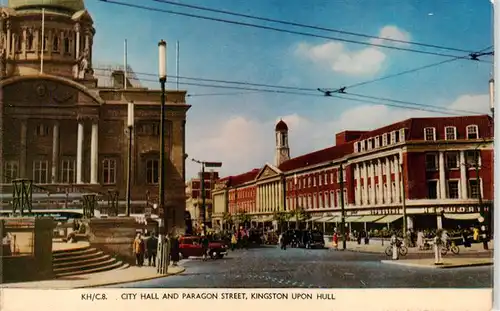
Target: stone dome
70 5
281 126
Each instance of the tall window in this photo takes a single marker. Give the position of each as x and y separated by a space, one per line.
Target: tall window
472 157
29 41
431 162
41 130
432 188
321 200
40 172
377 141
474 189
452 160
152 170
453 189
309 201
332 199
314 180
320 178
450 133
338 198
66 45
402 133
384 140
55 43
309 181
430 133
68 171
11 171
109 171
331 177
393 138
472 132
345 196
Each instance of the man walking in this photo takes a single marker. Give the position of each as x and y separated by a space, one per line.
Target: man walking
138 248
152 246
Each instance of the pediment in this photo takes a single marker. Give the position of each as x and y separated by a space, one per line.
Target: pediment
44 92
268 171
82 15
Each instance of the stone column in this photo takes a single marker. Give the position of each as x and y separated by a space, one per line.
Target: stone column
365 184
9 39
463 176
358 186
77 30
380 182
23 44
257 202
79 152
388 181
372 183
94 153
442 179
397 199
439 222
55 152
24 148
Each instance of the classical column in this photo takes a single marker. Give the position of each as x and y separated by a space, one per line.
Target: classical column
388 180
94 153
372 183
365 184
55 151
358 186
463 176
9 39
397 198
257 203
24 147
442 180
77 30
79 152
23 44
380 182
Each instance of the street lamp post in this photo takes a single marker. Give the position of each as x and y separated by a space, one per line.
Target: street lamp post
130 126
492 97
202 181
162 73
342 206
406 238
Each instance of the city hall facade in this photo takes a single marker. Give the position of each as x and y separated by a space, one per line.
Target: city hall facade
438 169
64 126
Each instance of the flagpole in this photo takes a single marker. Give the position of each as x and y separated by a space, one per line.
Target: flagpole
43 41
125 64
177 66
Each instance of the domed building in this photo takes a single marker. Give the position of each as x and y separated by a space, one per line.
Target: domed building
66 130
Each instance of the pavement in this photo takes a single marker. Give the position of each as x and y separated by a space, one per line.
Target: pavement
446 263
270 267
112 277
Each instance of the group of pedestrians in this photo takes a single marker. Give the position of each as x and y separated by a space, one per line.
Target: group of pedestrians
146 247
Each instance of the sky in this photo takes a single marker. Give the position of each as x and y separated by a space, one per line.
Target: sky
236 127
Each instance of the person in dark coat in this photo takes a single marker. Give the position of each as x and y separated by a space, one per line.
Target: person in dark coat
174 250
152 247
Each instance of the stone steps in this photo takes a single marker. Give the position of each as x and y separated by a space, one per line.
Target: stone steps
83 260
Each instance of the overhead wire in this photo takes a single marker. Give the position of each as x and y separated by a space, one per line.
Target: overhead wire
295 24
153 9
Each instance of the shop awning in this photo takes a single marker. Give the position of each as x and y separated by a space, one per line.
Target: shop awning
470 216
388 219
352 218
368 218
315 218
332 219
265 219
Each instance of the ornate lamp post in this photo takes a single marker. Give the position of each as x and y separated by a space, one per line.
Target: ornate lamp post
162 73
130 126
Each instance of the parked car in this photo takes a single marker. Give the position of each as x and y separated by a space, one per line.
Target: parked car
312 239
190 246
294 236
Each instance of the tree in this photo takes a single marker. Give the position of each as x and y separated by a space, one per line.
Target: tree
281 218
227 218
244 218
300 215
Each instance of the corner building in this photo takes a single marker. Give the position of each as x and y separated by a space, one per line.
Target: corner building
65 131
429 164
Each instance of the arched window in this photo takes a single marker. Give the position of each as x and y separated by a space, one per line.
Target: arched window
55 43
29 40
66 45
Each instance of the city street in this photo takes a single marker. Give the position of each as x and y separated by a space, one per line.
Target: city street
272 267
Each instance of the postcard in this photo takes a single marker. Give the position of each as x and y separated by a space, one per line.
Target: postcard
335 155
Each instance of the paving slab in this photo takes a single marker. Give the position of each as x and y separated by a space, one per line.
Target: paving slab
112 277
446 263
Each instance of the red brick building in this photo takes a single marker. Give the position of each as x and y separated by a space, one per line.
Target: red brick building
194 196
427 163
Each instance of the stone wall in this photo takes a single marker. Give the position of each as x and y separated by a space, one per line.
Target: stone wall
114 236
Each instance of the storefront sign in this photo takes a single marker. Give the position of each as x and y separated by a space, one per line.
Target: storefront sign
453 209
386 211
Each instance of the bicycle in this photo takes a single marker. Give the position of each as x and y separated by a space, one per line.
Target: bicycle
450 247
402 250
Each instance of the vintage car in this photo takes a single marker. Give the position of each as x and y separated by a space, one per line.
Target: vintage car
190 246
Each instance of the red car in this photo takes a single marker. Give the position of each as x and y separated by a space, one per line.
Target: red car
190 246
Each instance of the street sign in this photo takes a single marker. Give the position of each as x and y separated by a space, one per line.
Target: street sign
213 164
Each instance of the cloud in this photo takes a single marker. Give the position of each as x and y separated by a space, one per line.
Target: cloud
242 143
338 57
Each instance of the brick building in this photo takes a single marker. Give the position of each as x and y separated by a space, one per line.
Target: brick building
67 130
194 197
429 163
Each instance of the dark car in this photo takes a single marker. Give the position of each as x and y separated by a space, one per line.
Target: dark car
312 239
293 236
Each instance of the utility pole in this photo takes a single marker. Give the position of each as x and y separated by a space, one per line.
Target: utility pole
202 180
342 206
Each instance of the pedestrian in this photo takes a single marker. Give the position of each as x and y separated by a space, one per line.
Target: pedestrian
358 237
138 248
204 245
284 241
335 241
174 249
420 240
152 249
234 241
475 235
